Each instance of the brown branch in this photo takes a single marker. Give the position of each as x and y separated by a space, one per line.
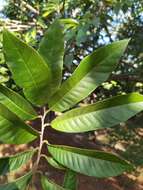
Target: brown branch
108 33
125 77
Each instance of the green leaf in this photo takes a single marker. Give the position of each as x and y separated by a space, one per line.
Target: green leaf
70 180
92 71
11 163
13 130
52 6
89 162
49 185
48 12
52 50
28 68
69 23
16 103
106 113
19 184
54 163
82 34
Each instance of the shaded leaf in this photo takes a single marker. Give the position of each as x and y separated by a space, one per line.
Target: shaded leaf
28 68
52 50
19 184
13 130
103 114
16 103
70 180
92 71
54 163
49 185
11 163
89 162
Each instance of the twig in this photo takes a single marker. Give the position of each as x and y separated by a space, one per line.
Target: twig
43 124
41 136
107 31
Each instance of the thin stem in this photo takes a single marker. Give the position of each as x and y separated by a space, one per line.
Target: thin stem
41 135
43 125
46 125
63 8
46 142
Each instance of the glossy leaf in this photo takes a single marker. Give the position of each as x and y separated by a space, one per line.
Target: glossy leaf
52 50
92 71
53 163
107 113
11 163
13 130
89 162
70 180
19 184
16 103
49 185
28 68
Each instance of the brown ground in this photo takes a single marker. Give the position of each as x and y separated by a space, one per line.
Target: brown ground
124 182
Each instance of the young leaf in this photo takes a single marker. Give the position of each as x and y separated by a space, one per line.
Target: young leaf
70 180
52 50
16 103
92 71
13 130
28 68
11 163
19 184
49 185
53 163
106 113
89 162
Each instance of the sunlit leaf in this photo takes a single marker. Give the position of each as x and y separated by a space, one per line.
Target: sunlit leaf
13 130
16 103
28 68
69 23
106 113
92 71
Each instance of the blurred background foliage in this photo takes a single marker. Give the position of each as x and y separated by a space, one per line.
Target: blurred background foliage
88 25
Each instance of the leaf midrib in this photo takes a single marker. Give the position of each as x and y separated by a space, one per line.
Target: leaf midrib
93 157
34 82
84 76
27 113
21 55
23 125
86 113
